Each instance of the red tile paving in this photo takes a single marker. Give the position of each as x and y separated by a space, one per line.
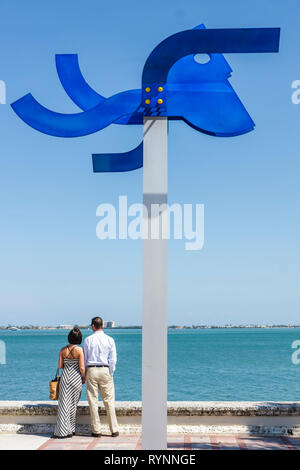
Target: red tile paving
214 443
225 442
139 444
187 441
176 441
191 442
265 443
202 442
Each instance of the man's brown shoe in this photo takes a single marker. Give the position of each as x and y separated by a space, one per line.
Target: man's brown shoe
114 434
96 434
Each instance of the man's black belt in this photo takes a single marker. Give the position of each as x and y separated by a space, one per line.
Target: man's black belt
98 366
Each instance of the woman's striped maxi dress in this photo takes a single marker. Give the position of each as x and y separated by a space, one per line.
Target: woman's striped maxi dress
69 394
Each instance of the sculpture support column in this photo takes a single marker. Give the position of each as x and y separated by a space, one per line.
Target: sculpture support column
154 371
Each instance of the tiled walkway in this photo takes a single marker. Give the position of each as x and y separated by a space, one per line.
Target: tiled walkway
176 442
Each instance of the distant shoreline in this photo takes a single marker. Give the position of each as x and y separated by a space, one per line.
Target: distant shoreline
138 327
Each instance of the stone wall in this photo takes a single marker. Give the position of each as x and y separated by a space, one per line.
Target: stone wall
272 418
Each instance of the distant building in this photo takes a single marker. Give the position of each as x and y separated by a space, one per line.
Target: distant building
65 327
108 324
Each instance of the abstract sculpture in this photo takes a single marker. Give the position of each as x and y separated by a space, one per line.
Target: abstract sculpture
174 86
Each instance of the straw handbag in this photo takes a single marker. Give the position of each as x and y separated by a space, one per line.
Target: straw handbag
54 387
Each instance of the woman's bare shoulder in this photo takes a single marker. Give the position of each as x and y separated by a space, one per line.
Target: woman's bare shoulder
77 352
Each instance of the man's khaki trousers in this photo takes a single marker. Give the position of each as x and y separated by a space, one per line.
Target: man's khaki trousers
100 378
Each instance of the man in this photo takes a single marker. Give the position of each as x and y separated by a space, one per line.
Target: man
100 362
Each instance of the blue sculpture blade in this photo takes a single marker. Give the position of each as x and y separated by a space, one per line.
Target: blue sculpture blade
79 90
173 85
221 122
112 162
206 41
79 124
74 84
201 94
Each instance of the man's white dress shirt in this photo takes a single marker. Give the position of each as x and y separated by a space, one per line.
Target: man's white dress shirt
100 349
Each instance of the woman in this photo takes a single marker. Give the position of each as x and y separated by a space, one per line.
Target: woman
71 360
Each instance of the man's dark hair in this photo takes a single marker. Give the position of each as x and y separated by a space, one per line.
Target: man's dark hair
75 336
97 322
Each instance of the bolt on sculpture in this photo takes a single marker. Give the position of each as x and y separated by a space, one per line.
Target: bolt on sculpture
174 87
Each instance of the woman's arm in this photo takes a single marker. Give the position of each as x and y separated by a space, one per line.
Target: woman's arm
60 360
81 365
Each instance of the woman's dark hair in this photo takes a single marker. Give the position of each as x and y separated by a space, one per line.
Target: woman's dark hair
75 336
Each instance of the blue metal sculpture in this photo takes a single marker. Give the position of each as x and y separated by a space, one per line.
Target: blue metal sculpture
173 85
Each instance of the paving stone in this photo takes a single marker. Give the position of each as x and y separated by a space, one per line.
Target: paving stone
175 442
264 443
224 443
200 442
190 442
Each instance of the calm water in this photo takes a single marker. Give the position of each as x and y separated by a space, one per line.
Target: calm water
238 364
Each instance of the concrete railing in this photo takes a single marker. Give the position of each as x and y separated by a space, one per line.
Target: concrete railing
183 417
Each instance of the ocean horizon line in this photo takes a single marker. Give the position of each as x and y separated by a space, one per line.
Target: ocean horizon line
170 327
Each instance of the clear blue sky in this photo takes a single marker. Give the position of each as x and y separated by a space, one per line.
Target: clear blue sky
53 269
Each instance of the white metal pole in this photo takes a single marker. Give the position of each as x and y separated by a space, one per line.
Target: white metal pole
154 361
